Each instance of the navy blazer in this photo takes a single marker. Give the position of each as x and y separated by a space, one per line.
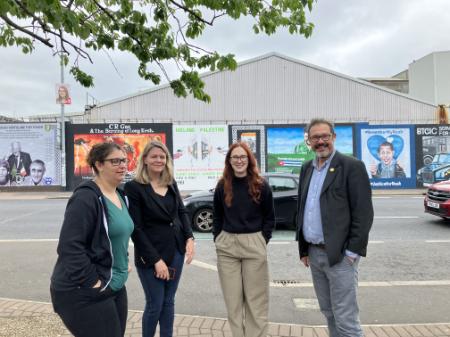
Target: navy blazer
157 231
345 207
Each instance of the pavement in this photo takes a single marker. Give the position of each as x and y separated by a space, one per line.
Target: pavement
19 318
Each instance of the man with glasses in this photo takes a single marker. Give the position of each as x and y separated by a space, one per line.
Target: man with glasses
335 214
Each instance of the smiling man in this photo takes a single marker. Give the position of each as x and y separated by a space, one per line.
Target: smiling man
37 171
335 215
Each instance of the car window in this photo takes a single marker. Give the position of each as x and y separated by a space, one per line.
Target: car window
282 184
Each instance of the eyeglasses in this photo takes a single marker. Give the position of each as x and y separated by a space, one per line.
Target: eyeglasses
316 138
117 161
239 158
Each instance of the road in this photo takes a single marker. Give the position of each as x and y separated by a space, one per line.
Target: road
404 279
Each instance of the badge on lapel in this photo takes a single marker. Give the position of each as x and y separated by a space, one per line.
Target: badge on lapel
331 169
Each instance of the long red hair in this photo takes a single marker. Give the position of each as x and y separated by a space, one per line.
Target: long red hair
255 181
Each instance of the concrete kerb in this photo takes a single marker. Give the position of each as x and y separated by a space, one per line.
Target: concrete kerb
20 318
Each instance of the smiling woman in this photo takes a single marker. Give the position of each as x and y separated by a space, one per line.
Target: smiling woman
88 282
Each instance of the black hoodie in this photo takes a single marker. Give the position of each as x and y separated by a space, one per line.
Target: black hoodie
84 248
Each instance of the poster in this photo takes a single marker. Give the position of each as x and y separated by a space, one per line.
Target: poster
254 136
29 155
388 153
432 154
199 155
287 147
132 137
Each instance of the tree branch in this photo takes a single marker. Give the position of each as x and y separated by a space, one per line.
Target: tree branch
25 31
199 18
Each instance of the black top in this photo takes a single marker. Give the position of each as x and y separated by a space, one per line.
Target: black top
84 253
168 200
244 215
158 231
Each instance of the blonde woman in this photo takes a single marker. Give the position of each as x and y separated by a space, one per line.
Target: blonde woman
162 236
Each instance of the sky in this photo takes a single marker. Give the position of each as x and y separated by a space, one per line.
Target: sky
360 38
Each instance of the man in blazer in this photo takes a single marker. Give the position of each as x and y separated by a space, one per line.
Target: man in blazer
335 215
19 160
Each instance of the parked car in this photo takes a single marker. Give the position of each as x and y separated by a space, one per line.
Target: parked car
284 188
437 199
437 170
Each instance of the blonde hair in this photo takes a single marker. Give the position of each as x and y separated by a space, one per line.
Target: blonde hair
141 170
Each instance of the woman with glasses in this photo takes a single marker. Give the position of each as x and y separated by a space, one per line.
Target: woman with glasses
88 282
162 236
242 227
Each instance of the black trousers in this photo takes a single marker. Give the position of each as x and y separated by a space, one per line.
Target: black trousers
89 312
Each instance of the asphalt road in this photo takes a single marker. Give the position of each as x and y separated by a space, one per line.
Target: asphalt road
404 279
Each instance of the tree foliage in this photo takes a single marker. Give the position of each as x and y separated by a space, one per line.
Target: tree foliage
154 31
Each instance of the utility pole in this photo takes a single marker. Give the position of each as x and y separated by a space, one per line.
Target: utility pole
63 131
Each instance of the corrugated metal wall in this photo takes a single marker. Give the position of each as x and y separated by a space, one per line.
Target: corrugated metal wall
272 89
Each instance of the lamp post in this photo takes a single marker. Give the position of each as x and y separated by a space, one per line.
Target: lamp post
63 131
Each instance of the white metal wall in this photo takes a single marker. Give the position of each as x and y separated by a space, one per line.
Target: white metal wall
272 89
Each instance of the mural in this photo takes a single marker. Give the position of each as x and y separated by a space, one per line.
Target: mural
199 155
388 154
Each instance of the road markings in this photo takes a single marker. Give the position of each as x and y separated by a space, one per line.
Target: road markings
27 240
396 217
306 303
437 241
10 219
298 284
203 265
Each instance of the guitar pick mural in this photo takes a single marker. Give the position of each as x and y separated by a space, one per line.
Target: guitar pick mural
374 142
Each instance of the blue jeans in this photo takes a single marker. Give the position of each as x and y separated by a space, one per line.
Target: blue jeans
336 289
160 299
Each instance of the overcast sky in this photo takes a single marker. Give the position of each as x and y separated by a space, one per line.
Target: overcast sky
361 38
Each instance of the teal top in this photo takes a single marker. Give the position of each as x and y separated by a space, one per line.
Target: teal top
120 227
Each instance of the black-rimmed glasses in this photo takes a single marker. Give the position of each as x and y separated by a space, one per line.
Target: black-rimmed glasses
117 161
237 158
317 138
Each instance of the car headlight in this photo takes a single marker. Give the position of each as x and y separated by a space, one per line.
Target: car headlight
186 202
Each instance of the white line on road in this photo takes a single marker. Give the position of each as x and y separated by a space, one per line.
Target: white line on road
396 217
437 241
10 219
204 265
28 240
295 284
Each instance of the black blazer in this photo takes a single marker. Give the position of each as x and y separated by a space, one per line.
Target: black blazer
24 162
157 232
345 207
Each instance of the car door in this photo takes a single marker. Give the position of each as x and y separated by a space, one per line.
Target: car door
285 199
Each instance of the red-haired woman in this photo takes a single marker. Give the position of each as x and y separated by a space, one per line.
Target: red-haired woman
243 223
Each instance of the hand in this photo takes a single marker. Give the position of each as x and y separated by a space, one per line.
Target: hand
130 269
305 260
161 270
98 284
373 168
189 250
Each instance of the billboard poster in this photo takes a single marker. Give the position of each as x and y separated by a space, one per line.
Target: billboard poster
253 135
29 155
132 137
199 155
432 154
389 156
288 149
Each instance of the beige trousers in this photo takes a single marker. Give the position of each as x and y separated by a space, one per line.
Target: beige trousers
244 277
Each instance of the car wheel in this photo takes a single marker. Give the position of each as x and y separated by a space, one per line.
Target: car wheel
203 220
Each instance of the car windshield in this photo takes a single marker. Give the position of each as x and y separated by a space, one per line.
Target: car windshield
442 158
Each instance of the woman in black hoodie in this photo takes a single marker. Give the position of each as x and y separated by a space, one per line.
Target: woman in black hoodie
88 282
